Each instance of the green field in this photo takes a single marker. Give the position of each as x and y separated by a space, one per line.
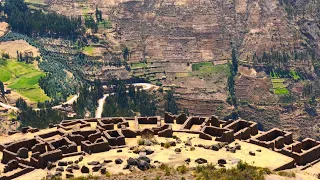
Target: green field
207 68
105 24
23 78
138 65
279 87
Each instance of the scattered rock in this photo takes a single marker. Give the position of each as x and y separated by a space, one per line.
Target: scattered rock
207 147
69 176
132 168
76 161
201 161
252 153
62 163
238 147
132 161
192 148
188 143
187 160
143 165
50 165
61 169
96 168
222 161
156 161
200 145
172 143
258 150
233 150
107 161
70 162
149 151
76 167
126 166
80 158
119 150
103 170
215 147
57 173
177 150
84 169
118 161
145 159
93 163
69 169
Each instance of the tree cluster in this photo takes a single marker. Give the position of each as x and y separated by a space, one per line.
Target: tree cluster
37 23
231 79
88 99
38 119
126 101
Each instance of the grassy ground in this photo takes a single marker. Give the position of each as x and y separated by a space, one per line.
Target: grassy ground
88 50
138 65
23 78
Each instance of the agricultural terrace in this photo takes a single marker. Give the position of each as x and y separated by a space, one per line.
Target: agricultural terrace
23 78
207 69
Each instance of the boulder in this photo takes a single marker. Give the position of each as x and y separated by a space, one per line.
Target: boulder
85 169
126 166
70 162
61 169
177 150
238 147
49 175
96 168
62 163
192 148
118 161
76 161
132 161
222 161
233 150
143 165
201 161
258 150
119 150
207 147
187 160
215 147
23 153
252 153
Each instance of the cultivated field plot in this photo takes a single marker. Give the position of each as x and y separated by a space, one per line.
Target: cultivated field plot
40 2
23 78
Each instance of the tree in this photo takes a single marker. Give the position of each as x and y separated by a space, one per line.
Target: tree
126 53
170 103
2 88
234 61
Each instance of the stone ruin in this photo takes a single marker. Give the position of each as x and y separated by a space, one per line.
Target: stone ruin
63 140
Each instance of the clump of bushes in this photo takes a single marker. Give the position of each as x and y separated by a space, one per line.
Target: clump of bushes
182 169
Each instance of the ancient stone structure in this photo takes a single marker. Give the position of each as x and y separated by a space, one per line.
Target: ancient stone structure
77 137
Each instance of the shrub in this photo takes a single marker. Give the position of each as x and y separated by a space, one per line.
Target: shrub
182 169
287 174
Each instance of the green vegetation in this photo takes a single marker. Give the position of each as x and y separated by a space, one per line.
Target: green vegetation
88 50
278 83
23 78
233 68
243 171
198 66
106 24
204 69
287 174
138 65
294 75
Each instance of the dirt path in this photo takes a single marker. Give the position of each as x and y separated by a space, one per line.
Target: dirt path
100 107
